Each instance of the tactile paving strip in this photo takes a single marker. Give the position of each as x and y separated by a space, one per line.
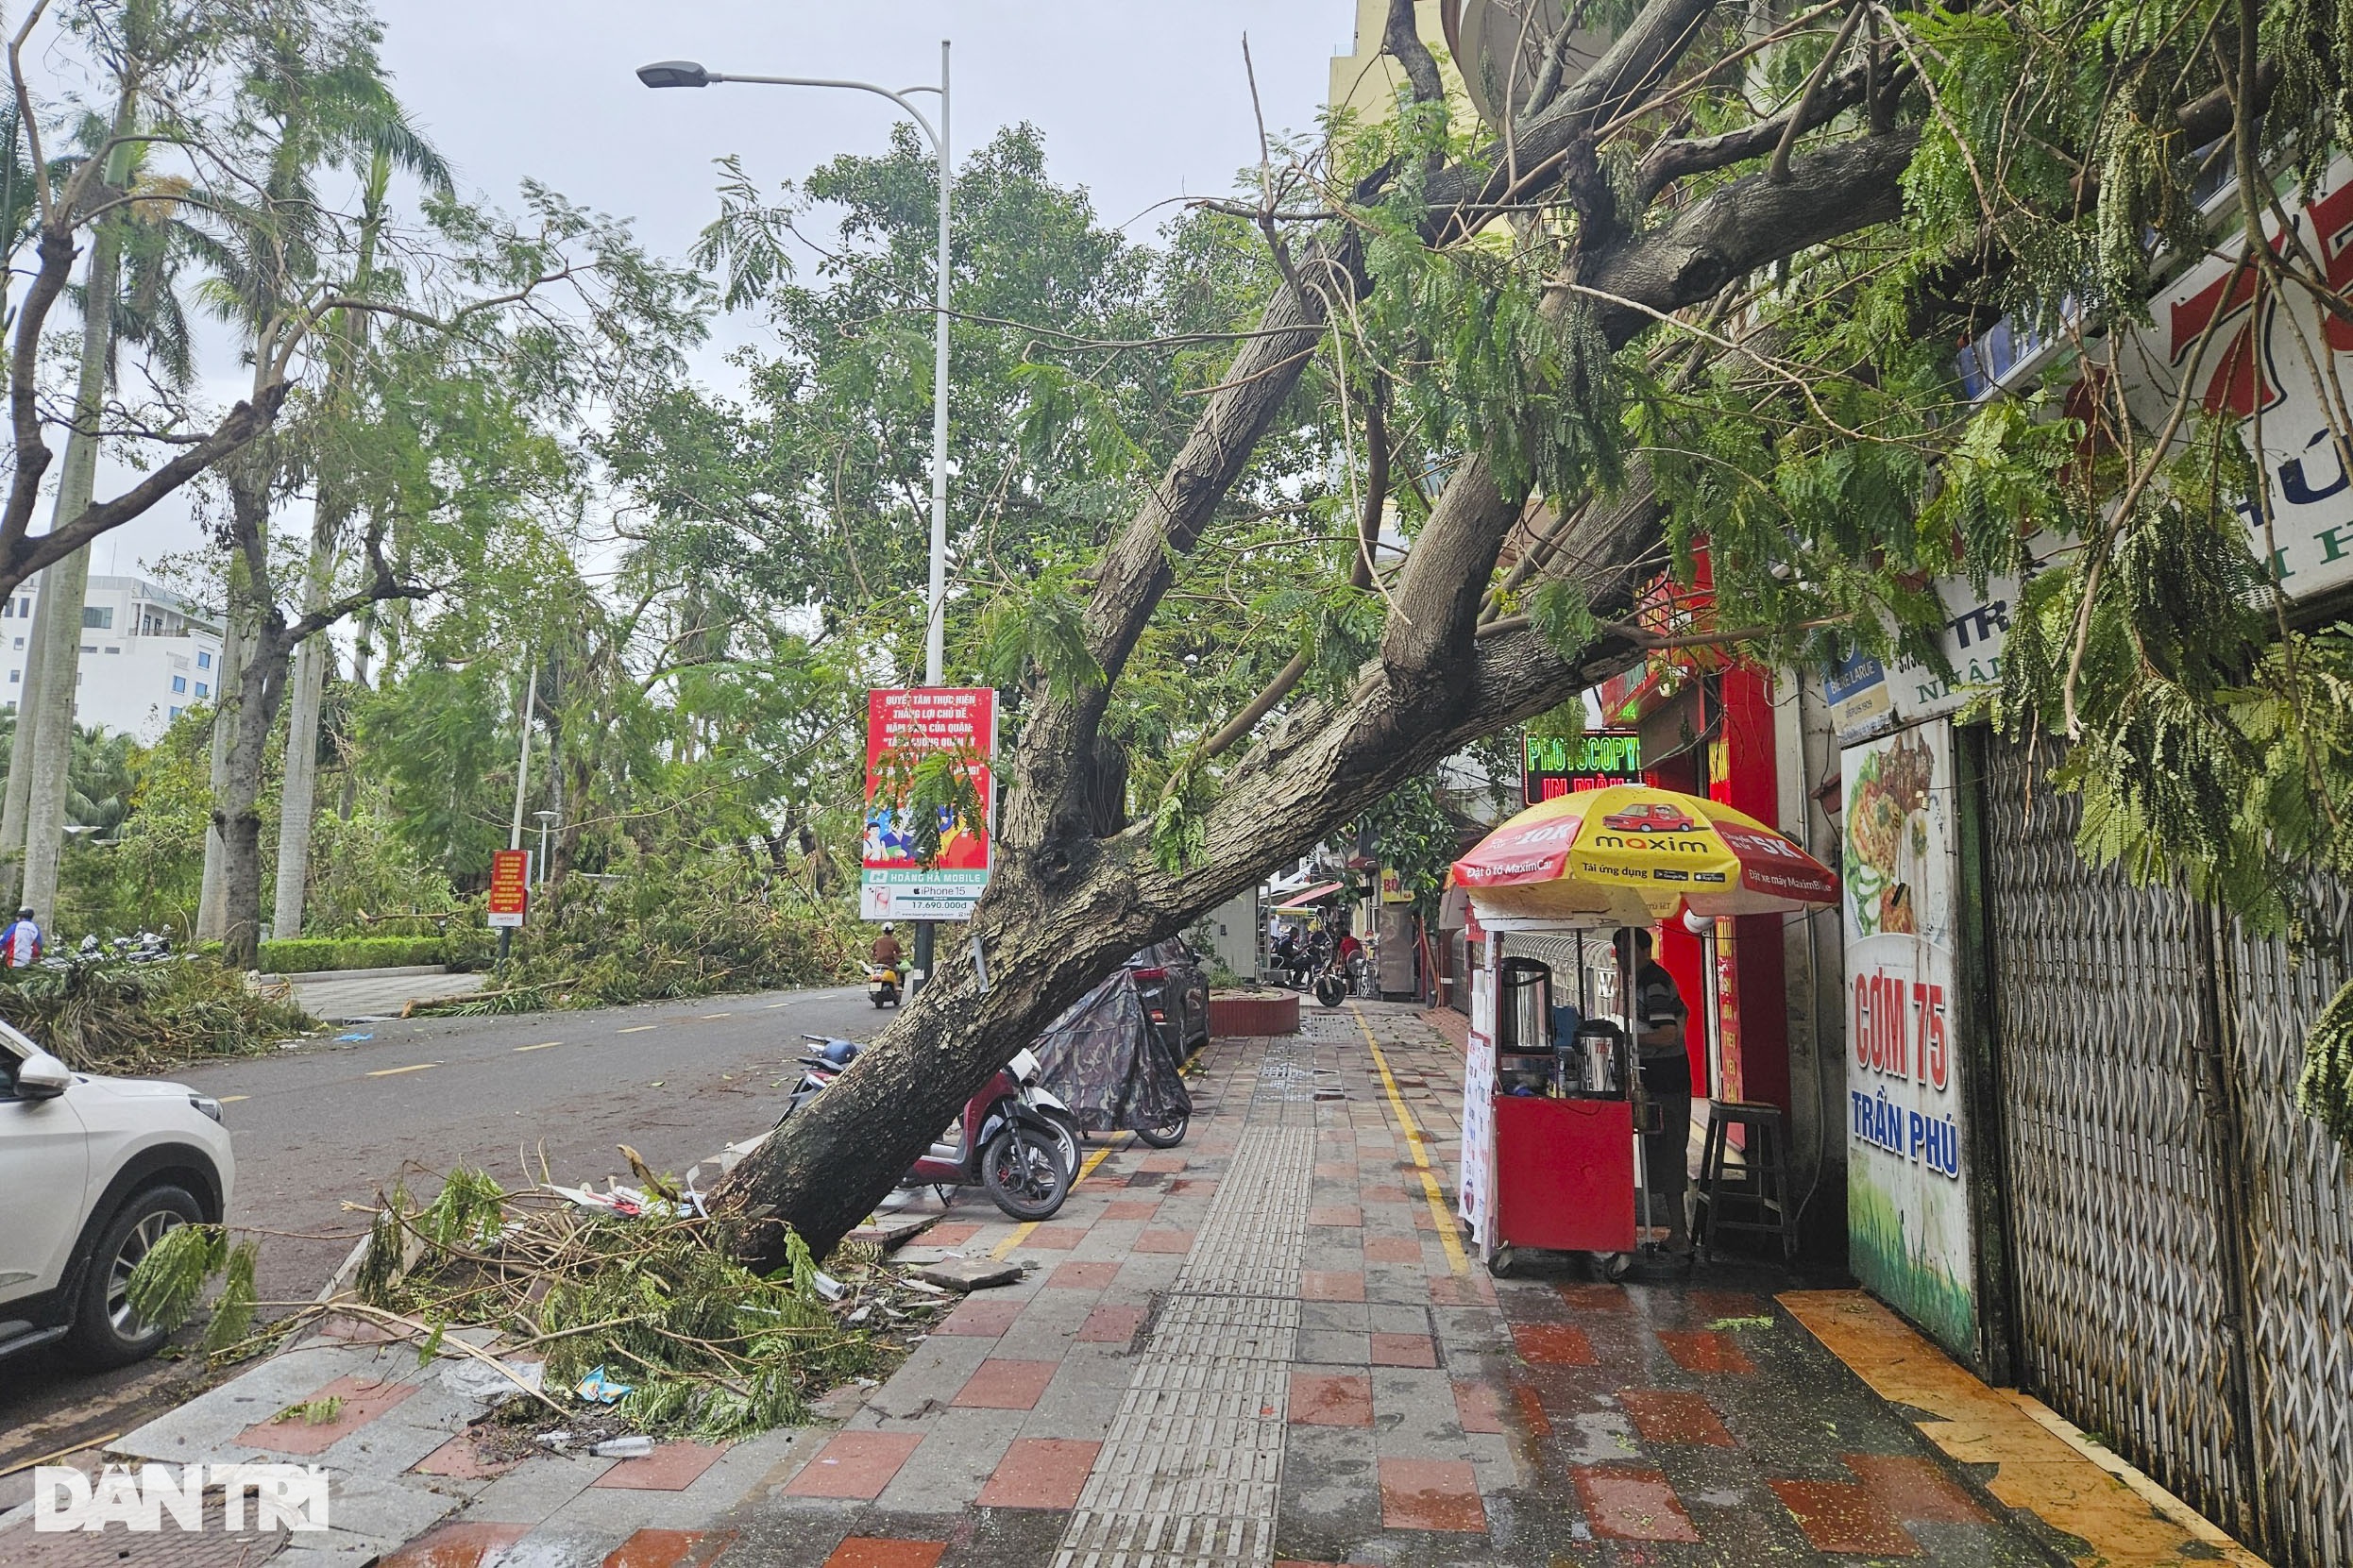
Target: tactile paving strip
1191 1472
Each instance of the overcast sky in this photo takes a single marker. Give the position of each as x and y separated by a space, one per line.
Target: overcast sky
1138 102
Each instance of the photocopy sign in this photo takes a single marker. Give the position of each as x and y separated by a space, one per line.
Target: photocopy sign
903 727
1907 1210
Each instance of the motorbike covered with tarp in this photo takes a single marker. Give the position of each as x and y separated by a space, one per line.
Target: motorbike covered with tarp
1104 1061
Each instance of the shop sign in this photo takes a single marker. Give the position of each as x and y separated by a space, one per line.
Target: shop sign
1855 689
1553 766
1475 1196
903 725
1909 1237
1976 627
1392 888
510 886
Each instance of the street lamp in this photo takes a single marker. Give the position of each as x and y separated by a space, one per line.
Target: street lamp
686 72
545 818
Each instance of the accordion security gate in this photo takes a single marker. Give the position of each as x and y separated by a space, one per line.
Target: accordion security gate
2178 1232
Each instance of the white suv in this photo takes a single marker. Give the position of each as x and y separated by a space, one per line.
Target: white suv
92 1170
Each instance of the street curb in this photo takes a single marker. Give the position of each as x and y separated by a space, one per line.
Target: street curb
408 972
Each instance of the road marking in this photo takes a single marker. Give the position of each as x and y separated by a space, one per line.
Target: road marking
787 1002
708 1016
1020 1232
542 1046
1448 1237
396 1071
637 1028
230 1100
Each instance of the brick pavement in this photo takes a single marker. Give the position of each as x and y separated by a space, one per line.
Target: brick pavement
1260 1347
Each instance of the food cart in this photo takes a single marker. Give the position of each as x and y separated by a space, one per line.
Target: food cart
1552 1100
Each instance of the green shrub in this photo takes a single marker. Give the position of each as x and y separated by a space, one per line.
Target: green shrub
315 955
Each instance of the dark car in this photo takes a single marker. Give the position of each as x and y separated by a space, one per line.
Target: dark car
1176 993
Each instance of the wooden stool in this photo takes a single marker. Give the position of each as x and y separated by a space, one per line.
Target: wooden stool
1755 1195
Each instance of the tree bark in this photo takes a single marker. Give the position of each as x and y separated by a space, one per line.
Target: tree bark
212 901
299 794
20 788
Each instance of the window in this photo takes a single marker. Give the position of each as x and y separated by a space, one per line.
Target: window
99 618
180 684
204 660
24 606
114 651
20 642
14 676
90 648
202 690
175 713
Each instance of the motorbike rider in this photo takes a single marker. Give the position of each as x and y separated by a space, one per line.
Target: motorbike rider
1288 958
887 953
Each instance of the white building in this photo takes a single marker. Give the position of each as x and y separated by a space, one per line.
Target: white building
147 654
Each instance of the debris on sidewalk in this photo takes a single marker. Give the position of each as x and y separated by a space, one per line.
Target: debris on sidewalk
969 1274
597 1389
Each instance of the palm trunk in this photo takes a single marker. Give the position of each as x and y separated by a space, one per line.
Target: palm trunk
46 728
211 902
237 816
299 795
21 763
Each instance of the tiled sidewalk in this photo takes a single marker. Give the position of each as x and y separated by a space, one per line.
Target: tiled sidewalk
1263 1345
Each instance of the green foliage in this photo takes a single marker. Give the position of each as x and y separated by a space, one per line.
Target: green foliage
2325 1088
312 954
167 1284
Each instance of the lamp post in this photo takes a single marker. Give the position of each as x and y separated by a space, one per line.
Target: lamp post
545 818
683 73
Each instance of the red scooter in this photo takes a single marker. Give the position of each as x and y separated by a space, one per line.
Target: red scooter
1018 1154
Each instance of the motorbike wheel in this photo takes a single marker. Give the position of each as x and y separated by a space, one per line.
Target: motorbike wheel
1330 989
1168 1135
1066 1136
1023 1171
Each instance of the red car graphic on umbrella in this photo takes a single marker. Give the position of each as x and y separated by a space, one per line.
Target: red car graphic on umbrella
1650 816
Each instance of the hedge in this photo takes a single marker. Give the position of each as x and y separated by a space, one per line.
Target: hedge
312 954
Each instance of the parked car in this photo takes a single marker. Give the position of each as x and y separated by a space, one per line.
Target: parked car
94 1171
1175 992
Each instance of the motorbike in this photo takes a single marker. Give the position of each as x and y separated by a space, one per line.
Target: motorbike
883 983
1016 1140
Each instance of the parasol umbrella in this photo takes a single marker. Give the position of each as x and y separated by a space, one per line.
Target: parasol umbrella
1631 854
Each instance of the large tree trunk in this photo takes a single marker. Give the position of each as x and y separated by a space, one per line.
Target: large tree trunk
1066 905
20 788
237 815
44 729
211 896
299 794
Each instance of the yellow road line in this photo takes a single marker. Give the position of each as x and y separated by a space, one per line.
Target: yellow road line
637 1029
1020 1232
396 1071
1447 1238
543 1045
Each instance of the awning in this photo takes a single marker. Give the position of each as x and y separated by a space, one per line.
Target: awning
1303 902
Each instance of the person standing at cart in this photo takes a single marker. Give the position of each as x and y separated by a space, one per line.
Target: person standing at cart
1659 1014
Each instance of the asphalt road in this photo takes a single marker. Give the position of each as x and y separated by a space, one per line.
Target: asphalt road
336 1121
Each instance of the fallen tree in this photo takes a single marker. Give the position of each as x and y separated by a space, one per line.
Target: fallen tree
1642 256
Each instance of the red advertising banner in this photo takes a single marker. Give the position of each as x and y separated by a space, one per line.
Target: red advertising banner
510 886
904 725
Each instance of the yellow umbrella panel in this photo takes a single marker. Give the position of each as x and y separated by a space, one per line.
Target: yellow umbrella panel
1629 854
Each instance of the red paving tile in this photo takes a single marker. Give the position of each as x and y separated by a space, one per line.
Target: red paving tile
871 1551
1665 1415
1914 1489
1110 1325
1083 1276
1462 1291
1844 1516
1336 1170
1000 1384
1198 1186
1475 1408
854 1464
1553 1344
1704 1350
1334 1214
454 1545
950 1233
1392 1248
979 1319
458 1460
1727 1304
1330 1284
1039 1472
672 1467
363 1400
1597 1298
1532 1409
1131 1209
1430 1494
1056 1238
1162 1162
1631 1505
1164 1241
1404 1350
1321 1399
1385 1194
651 1548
